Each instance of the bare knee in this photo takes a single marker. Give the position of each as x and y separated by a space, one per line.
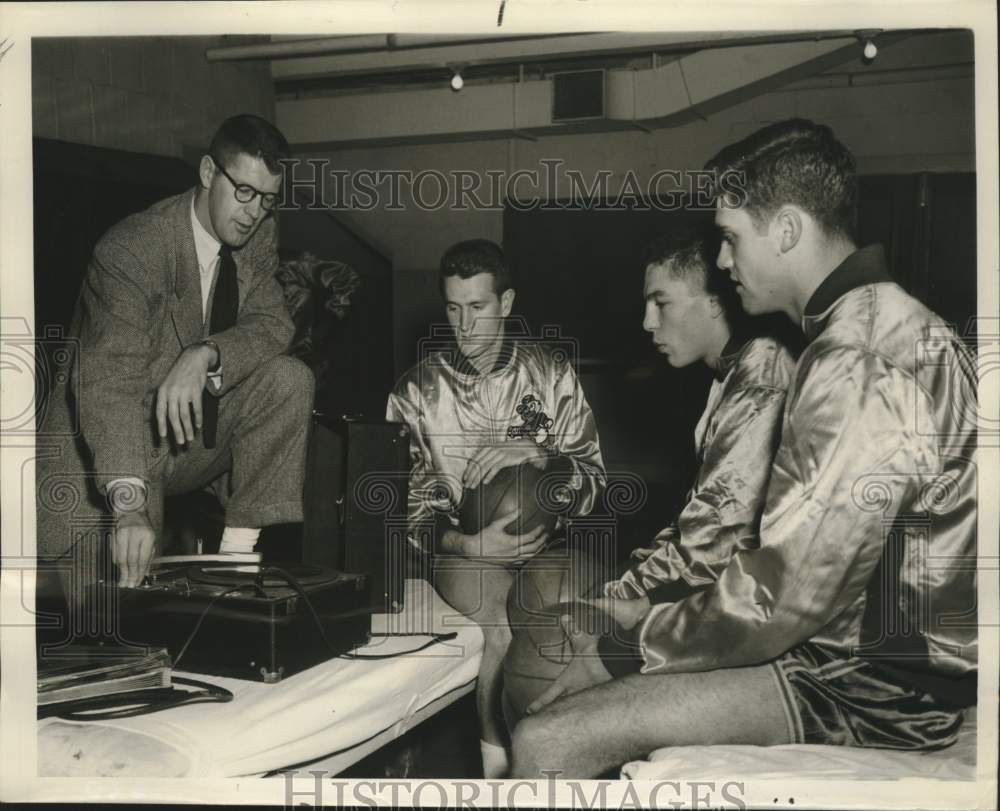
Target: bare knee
496 637
525 747
480 595
533 743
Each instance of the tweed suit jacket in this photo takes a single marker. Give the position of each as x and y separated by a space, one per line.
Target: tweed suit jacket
139 307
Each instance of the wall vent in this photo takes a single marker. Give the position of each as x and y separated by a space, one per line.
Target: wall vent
578 95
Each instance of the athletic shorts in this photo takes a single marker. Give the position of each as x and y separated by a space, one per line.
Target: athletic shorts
851 702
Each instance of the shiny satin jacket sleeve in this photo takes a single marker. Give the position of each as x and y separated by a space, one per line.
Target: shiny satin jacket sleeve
853 434
574 437
421 492
722 514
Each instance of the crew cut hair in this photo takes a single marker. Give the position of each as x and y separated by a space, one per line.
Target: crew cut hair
250 135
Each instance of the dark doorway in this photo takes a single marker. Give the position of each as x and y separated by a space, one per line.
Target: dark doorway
579 269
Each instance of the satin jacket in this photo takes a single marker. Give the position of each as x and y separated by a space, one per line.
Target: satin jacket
453 411
735 441
868 537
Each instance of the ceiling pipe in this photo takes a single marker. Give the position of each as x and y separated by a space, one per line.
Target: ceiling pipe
289 48
319 46
301 47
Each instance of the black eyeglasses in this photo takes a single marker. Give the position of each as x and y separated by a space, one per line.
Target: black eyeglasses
245 193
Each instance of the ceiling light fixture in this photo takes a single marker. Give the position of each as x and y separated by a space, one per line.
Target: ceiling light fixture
456 68
868 38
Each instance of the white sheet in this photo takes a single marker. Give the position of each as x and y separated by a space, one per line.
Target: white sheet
328 708
807 762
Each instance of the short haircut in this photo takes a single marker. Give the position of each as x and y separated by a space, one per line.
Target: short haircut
793 162
688 251
250 135
472 257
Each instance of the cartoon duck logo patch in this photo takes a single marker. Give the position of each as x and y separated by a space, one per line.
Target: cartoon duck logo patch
535 423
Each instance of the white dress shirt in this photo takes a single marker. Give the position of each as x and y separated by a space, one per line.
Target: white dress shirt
207 248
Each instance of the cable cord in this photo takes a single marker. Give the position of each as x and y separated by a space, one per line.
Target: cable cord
436 638
142 702
201 618
153 699
136 702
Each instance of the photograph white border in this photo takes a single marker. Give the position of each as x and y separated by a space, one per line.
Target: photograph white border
20 22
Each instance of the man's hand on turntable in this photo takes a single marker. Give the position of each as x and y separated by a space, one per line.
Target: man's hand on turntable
132 548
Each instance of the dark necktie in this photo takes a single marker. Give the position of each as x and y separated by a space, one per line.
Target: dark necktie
225 304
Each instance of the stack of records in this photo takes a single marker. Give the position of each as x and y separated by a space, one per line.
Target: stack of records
82 671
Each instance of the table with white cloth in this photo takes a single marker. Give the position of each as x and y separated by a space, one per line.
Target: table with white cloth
329 716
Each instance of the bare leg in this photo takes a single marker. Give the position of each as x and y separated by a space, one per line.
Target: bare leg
587 733
479 591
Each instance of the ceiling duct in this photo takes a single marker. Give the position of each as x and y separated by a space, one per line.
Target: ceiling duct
691 87
296 47
578 95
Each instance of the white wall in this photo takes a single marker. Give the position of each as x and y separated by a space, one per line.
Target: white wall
154 95
899 127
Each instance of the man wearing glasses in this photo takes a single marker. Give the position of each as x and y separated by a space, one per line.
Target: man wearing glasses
179 380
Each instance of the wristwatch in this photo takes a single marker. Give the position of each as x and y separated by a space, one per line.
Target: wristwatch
218 355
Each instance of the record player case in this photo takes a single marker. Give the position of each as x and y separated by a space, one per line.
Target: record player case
256 626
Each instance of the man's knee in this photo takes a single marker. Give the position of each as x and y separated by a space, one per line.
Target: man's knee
290 376
496 634
531 742
480 593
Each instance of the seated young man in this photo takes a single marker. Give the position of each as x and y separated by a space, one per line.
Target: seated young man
487 403
854 622
693 315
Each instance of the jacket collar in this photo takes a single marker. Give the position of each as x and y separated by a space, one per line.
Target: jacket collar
463 365
730 354
186 309
863 267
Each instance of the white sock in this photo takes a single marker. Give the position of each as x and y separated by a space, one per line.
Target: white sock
495 763
238 539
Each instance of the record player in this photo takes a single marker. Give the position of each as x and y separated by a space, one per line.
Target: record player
246 621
